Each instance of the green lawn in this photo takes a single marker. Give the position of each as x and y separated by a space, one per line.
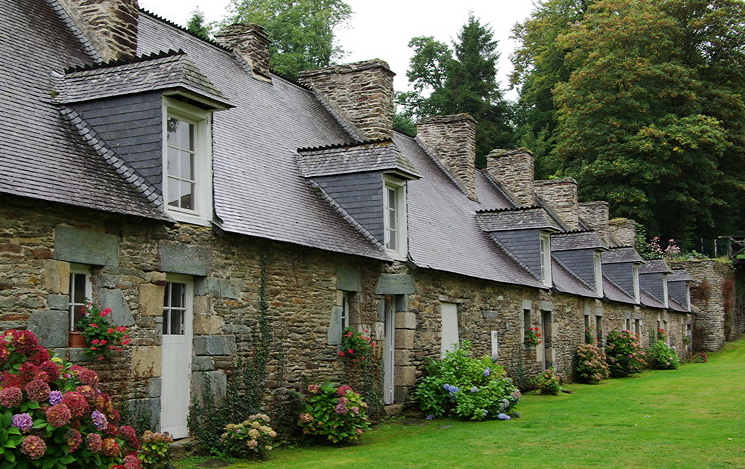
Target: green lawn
689 418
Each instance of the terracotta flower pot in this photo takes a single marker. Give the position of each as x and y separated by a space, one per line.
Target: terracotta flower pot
76 340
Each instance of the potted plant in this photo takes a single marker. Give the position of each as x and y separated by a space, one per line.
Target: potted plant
102 338
532 337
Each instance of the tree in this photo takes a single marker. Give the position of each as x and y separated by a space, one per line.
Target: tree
197 25
302 31
461 79
643 122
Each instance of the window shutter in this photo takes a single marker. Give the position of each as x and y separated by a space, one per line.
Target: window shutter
335 327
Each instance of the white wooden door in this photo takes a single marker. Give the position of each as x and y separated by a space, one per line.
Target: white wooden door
175 394
389 350
449 327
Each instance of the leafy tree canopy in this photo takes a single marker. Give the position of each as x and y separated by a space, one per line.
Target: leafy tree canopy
197 25
302 31
460 79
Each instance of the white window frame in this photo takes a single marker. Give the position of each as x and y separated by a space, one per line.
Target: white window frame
545 250
202 120
78 269
345 309
688 297
635 280
598 273
401 232
664 291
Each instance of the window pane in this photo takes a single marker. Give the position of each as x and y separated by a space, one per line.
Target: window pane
392 220
177 322
178 295
392 240
187 195
187 165
172 125
392 199
172 163
78 294
186 136
173 192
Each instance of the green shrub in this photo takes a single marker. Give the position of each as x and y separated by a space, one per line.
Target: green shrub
624 354
549 383
337 415
661 356
155 452
589 364
253 438
465 387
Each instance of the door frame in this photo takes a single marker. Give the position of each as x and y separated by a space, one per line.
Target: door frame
389 349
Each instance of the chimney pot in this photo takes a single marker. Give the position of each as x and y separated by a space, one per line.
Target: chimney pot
251 42
453 140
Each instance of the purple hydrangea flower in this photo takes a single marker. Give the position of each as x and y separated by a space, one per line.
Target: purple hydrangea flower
486 412
430 416
99 420
55 397
341 409
23 422
474 389
503 416
487 371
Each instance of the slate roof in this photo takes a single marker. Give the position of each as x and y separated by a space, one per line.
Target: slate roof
675 306
680 275
516 219
166 70
576 240
621 254
648 299
654 267
565 281
614 292
355 158
43 156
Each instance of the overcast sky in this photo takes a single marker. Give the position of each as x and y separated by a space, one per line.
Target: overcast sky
382 28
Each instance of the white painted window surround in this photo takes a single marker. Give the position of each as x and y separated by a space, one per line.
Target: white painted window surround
187 162
546 259
598 273
394 217
664 291
449 322
80 289
637 293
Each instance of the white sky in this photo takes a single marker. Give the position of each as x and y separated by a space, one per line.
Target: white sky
382 28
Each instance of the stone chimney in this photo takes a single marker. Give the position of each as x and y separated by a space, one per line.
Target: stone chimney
514 170
453 140
361 93
110 25
251 43
623 230
561 196
595 216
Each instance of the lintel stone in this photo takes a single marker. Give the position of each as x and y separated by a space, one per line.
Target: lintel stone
214 345
182 259
85 246
395 284
348 278
544 305
217 287
50 327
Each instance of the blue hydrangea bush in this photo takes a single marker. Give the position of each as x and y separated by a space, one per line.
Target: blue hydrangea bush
470 388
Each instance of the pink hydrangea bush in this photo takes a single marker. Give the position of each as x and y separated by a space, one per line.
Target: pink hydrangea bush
331 414
53 414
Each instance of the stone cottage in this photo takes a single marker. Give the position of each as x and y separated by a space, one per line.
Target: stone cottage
211 203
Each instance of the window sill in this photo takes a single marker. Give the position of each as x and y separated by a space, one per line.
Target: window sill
191 218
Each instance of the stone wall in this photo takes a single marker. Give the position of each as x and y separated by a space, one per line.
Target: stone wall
561 196
514 171
110 25
713 299
251 42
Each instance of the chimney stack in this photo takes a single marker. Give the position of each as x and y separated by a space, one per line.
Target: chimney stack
110 25
514 171
453 140
623 230
595 216
251 42
361 93
561 195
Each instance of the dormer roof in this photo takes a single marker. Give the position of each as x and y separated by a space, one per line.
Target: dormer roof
577 240
354 158
656 266
617 255
516 219
679 275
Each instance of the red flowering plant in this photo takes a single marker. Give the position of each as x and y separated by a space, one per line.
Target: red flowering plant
103 338
52 413
532 337
355 346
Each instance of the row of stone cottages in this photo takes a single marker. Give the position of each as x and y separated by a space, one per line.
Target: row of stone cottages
179 182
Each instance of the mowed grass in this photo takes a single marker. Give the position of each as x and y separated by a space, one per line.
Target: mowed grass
693 417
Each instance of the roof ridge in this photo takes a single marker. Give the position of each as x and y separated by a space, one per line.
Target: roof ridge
132 60
121 167
345 215
73 27
571 232
509 209
181 28
335 146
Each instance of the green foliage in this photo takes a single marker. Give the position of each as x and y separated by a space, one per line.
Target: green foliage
197 25
624 354
590 364
461 79
661 356
549 383
465 387
155 452
355 346
335 415
302 31
251 439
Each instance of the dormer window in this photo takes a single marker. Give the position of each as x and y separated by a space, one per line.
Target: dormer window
394 217
546 259
598 273
187 164
664 291
635 275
